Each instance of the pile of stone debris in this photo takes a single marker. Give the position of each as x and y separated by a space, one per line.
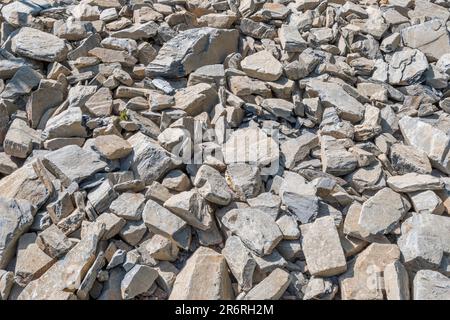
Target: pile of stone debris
224 149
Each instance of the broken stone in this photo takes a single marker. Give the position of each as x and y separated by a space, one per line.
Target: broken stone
330 259
204 277
256 229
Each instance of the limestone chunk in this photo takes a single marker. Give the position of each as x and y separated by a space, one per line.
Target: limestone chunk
271 288
205 277
322 248
256 229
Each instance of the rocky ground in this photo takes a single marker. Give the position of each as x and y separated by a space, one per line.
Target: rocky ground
224 149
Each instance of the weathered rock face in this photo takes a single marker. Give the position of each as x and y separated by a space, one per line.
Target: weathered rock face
34 44
428 139
73 164
204 277
430 37
431 285
257 230
177 59
16 218
364 280
381 213
250 145
148 160
195 149
330 260
65 276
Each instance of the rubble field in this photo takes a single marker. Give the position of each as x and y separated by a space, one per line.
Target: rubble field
224 149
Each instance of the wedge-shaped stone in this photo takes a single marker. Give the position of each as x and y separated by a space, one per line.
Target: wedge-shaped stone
161 221
271 288
240 262
204 277
192 208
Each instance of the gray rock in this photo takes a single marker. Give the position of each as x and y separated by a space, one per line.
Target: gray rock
407 159
138 280
148 161
426 138
333 95
271 288
396 281
295 150
212 186
430 37
68 123
256 229
266 202
411 182
424 241
431 285
38 45
381 213
73 164
322 248
407 66
191 207
176 59
240 262
16 218
161 221
128 205
244 179
336 159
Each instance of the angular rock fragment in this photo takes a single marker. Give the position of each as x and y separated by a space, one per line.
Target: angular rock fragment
411 182
240 261
38 45
205 277
136 281
256 229
16 218
363 279
431 285
328 259
176 58
161 221
381 213
271 288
